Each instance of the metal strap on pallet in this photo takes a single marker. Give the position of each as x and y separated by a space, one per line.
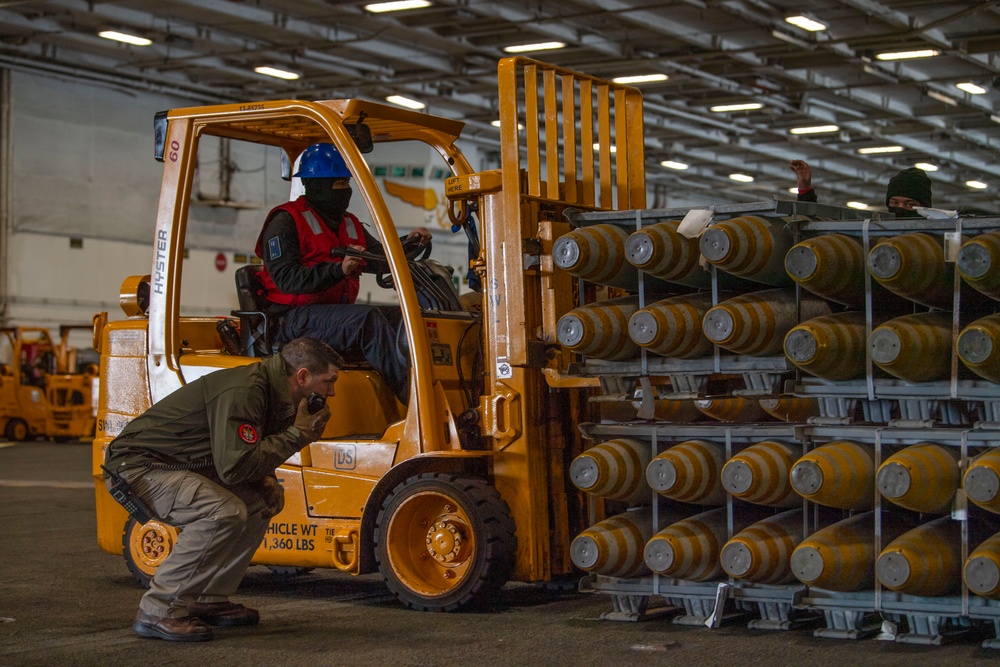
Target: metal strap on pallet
869 379
878 517
955 311
965 519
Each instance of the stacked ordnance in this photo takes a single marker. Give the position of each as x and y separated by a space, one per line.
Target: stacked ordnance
888 312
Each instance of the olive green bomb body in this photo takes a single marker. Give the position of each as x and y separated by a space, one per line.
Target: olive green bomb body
615 469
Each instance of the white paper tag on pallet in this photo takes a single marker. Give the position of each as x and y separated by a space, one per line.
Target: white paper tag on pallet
952 244
694 223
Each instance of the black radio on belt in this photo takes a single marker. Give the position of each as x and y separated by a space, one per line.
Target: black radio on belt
133 504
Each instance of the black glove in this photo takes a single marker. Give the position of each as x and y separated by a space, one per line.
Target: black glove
311 425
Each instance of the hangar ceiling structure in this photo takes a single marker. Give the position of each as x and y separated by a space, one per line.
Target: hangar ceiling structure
713 53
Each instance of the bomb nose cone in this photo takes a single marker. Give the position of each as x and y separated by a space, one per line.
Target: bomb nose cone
807 564
584 552
570 330
982 575
885 346
639 249
737 559
737 477
584 472
718 325
661 474
801 345
982 484
893 569
807 477
659 555
884 262
642 328
715 244
893 480
975 345
974 260
566 252
801 263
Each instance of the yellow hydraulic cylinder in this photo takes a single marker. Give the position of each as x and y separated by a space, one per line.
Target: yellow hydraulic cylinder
614 547
750 247
837 474
831 266
915 348
732 409
926 560
596 253
922 477
760 474
982 480
842 557
689 549
979 261
762 552
600 330
615 469
982 569
913 266
978 347
791 409
661 252
756 323
689 473
672 327
831 347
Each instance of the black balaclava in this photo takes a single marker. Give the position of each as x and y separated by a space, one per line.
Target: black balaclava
330 201
913 183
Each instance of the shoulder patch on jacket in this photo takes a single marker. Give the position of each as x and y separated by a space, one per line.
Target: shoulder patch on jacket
248 433
274 247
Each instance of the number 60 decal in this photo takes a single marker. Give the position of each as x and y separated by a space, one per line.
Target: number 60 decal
175 147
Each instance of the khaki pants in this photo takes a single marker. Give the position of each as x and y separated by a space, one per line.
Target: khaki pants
221 529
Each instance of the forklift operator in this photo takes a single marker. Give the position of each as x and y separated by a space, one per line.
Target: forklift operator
313 293
203 460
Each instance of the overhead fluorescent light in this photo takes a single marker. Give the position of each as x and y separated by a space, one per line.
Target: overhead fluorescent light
793 191
970 88
538 46
815 129
496 123
995 118
906 55
742 178
978 185
276 73
857 204
125 37
747 106
926 166
399 100
805 23
399 5
875 150
942 98
674 164
640 78
597 147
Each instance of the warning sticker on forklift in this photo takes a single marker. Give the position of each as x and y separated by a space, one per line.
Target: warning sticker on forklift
504 370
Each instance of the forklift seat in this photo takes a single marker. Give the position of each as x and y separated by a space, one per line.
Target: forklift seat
256 328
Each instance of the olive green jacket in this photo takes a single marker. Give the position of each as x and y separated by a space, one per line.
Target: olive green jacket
237 420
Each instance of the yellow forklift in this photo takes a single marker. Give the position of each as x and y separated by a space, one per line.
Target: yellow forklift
44 392
466 487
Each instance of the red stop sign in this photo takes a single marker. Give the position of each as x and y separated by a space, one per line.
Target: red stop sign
220 262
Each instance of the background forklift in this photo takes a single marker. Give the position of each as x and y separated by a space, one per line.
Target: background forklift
44 390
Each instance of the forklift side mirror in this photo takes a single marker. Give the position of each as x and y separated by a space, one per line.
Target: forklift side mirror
159 134
286 165
362 135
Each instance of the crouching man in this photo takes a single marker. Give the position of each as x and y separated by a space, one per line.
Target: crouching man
203 460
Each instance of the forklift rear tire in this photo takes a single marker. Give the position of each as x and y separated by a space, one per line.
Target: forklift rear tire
444 542
16 430
146 546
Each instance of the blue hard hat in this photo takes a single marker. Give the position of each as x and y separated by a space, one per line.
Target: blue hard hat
322 161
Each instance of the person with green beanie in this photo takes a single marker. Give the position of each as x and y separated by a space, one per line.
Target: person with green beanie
908 189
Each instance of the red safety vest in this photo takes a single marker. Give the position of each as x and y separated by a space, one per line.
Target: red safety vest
316 241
